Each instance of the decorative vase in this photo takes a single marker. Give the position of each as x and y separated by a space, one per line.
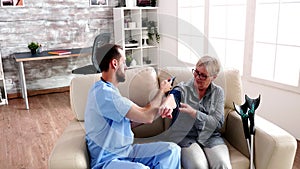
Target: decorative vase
133 62
151 42
145 37
33 51
130 3
122 3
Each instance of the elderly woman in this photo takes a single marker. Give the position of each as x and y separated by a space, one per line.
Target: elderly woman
201 106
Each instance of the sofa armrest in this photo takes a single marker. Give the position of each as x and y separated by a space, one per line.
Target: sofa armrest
70 150
234 132
273 146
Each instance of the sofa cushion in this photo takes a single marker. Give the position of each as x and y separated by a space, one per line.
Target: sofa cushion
149 130
237 159
70 150
230 81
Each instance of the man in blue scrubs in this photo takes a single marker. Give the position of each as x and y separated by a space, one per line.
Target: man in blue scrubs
107 121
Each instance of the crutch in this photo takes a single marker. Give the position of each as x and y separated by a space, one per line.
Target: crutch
242 111
252 105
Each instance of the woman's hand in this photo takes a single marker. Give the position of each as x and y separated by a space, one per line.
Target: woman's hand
185 108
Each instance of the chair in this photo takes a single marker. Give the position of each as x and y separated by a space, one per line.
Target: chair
100 40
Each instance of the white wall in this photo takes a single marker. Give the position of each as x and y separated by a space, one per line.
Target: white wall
168 32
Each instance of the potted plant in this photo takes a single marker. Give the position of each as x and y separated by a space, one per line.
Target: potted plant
153 32
128 60
33 46
153 3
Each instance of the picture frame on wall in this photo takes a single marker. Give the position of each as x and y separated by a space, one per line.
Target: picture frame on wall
98 2
12 3
143 2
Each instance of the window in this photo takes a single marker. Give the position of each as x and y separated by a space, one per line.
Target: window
226 31
276 52
260 38
222 37
190 30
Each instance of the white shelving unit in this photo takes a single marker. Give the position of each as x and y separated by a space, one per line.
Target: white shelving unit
130 30
3 94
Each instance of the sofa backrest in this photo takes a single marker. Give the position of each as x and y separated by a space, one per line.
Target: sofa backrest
79 88
140 86
230 80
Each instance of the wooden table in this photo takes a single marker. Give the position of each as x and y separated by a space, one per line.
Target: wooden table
27 56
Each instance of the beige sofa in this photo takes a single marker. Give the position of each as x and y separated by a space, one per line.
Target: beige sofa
274 147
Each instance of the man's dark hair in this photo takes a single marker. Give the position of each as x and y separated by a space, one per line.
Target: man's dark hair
106 53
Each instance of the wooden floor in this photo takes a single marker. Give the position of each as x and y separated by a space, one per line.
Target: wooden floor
28 136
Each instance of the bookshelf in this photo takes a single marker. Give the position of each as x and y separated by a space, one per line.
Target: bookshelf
131 28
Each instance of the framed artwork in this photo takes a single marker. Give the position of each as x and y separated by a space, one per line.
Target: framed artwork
98 2
12 3
143 2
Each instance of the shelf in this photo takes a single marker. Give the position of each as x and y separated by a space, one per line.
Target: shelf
140 66
137 48
132 29
150 65
148 46
131 24
134 67
137 8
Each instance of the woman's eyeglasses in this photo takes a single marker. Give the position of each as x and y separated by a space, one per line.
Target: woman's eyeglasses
201 76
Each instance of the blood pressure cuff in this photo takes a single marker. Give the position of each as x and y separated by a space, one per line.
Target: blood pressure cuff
177 97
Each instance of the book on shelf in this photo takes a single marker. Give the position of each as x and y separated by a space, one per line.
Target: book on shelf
59 52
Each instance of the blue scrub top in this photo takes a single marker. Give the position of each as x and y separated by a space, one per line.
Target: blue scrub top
108 131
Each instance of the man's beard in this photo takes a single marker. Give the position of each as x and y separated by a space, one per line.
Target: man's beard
120 76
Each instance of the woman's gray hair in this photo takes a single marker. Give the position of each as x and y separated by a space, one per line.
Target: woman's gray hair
211 64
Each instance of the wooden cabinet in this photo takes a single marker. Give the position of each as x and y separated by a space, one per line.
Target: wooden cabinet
134 30
3 95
